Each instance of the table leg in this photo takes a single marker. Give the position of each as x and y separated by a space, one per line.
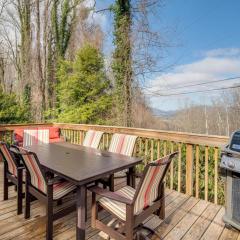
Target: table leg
81 210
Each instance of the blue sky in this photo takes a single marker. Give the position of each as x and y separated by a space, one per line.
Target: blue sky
205 45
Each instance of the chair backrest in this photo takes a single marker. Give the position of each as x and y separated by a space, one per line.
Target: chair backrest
92 139
35 136
32 165
122 144
149 186
30 137
43 136
8 157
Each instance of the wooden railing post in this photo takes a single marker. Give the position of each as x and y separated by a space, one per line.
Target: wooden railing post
189 169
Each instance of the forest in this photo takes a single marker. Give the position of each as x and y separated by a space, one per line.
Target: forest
54 67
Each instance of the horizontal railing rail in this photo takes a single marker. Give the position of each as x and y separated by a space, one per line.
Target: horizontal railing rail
194 172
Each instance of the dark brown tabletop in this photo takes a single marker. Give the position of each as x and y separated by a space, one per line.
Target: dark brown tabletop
80 164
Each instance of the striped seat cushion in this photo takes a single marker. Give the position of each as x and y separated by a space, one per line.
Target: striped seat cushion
61 189
122 144
9 159
117 208
92 139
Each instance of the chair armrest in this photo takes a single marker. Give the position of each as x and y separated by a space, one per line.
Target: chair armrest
111 195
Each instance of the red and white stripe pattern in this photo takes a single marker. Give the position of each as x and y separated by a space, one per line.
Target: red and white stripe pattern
149 189
115 207
61 189
92 139
8 157
35 136
122 144
37 179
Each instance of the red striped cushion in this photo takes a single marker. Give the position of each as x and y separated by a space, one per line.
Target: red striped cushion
122 144
115 207
37 179
61 189
92 139
8 157
149 190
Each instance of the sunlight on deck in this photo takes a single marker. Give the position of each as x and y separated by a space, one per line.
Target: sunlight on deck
186 218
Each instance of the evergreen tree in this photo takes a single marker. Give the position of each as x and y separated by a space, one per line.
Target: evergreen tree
10 109
83 89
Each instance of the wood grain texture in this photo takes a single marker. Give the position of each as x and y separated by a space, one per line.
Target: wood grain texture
186 218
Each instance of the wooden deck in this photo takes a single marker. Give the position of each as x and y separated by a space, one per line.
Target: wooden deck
186 218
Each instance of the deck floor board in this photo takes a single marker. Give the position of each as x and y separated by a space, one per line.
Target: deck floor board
186 218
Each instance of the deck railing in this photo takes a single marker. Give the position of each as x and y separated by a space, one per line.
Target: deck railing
194 172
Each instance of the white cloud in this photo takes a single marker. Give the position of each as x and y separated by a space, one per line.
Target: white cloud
215 64
204 70
96 18
223 52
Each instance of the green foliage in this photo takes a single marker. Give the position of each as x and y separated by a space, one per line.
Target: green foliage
11 111
63 17
83 89
122 60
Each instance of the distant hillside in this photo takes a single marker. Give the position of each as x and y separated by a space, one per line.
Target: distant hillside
164 114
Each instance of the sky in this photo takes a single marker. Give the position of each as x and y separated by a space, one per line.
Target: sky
204 40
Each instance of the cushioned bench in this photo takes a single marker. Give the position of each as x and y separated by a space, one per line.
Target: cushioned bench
54 134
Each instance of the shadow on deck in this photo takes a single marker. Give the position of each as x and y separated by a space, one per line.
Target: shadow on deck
186 218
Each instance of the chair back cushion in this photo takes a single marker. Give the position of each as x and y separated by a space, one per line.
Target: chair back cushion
32 165
12 168
35 136
30 137
122 144
43 136
54 134
92 139
148 190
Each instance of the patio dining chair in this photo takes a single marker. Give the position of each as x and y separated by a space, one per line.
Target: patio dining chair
13 174
131 207
121 144
35 136
46 188
92 139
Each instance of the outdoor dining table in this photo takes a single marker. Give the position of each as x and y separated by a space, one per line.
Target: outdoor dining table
81 166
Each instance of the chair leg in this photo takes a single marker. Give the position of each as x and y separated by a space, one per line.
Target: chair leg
5 185
19 193
129 223
86 206
27 201
94 211
161 211
49 212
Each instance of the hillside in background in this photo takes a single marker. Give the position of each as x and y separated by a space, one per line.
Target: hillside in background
221 118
